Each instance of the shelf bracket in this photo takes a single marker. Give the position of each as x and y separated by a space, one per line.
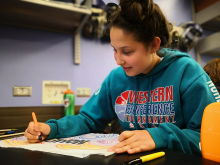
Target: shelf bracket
77 55
77 48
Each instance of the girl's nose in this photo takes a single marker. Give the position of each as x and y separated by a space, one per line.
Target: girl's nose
119 60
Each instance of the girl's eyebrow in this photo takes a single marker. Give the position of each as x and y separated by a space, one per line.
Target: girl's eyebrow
121 47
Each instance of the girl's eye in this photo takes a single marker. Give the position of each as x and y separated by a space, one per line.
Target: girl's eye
126 53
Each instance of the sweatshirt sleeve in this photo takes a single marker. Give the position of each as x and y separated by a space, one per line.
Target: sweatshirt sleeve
194 100
93 116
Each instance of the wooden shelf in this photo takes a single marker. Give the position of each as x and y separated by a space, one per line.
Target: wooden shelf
45 15
210 45
209 17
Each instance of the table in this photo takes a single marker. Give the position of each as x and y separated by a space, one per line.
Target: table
18 156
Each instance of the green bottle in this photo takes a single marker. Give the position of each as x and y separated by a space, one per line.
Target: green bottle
69 103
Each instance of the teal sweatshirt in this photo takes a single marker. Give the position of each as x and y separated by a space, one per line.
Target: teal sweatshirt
168 102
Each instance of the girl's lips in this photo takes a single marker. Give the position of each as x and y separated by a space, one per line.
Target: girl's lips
126 68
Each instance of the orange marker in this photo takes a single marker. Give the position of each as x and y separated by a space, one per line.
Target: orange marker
35 122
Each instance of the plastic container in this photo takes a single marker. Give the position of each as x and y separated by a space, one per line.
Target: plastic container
69 103
210 132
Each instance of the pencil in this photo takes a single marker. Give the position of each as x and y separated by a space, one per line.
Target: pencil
35 122
5 130
34 118
12 134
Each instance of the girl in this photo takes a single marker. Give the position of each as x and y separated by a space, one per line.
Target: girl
159 101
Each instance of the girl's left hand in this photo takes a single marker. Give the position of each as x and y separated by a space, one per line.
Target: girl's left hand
134 142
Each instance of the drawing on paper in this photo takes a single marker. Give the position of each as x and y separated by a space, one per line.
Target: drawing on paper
80 146
18 141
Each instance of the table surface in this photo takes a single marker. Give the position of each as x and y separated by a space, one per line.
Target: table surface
12 156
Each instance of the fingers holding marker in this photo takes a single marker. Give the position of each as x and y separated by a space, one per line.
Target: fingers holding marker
32 133
32 140
36 132
30 137
30 129
43 128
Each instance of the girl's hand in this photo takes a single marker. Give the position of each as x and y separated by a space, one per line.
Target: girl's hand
33 131
134 142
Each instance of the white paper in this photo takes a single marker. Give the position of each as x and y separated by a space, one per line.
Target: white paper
78 146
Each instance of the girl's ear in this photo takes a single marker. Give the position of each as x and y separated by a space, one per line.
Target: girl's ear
155 44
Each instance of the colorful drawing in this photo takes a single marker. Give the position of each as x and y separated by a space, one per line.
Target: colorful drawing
18 141
79 146
87 146
98 142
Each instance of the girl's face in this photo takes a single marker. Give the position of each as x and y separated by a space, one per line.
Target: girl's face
132 55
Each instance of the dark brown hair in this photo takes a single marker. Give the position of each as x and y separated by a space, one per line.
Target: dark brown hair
143 18
212 68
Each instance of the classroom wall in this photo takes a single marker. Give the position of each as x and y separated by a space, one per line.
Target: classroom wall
27 57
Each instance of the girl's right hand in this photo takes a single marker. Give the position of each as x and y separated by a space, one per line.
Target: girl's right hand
33 131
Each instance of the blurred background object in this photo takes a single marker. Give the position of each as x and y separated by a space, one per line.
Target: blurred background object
185 36
110 8
96 26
